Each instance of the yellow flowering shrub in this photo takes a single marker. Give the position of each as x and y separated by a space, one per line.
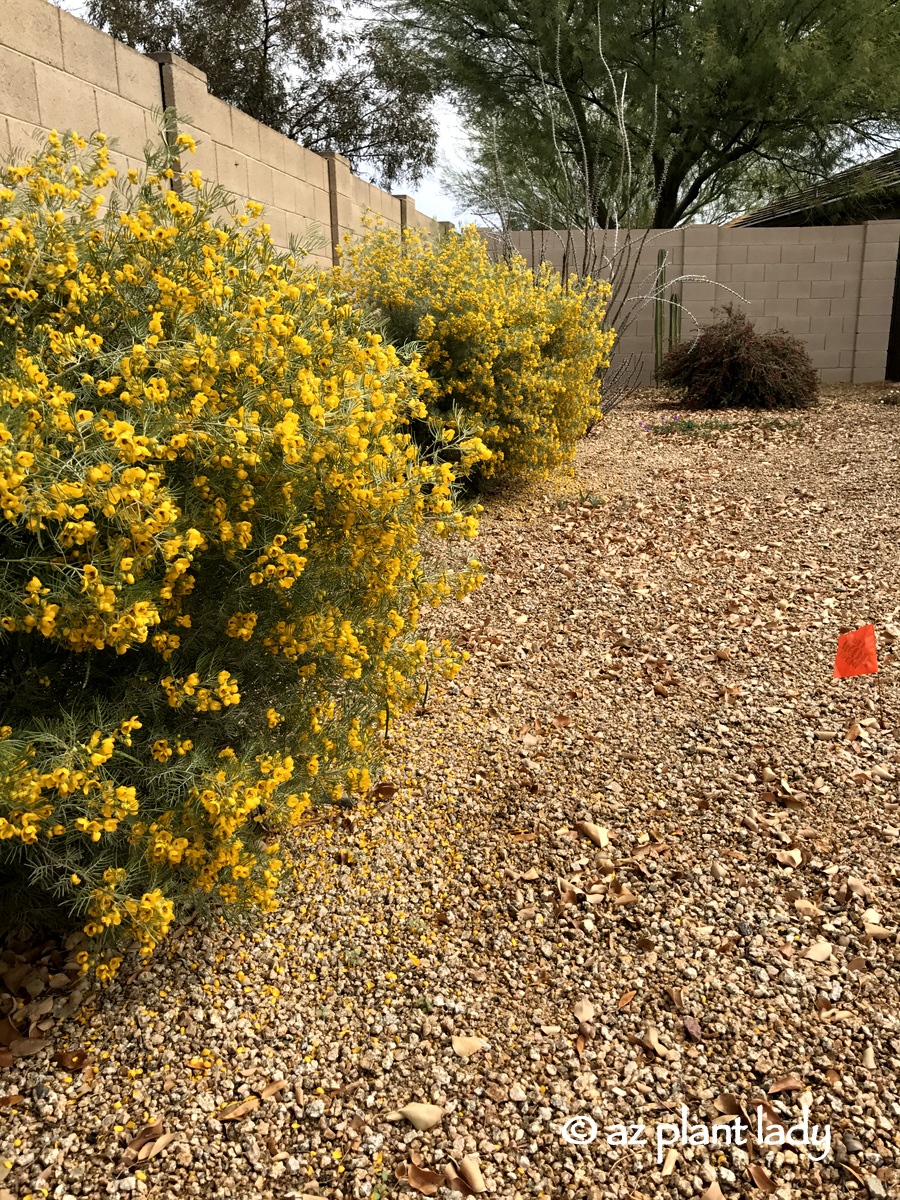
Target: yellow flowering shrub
216 537
515 353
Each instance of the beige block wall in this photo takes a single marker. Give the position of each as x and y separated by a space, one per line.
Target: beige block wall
252 161
59 72
831 286
56 72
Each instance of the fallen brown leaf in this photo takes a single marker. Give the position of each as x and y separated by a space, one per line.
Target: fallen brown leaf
677 996
583 1011
470 1170
25 1047
145 1136
238 1108
671 1159
425 1182
151 1149
72 1060
383 791
818 952
762 1179
594 833
873 932
420 1116
788 1084
273 1088
465 1047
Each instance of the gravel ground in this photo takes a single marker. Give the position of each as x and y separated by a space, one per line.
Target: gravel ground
643 854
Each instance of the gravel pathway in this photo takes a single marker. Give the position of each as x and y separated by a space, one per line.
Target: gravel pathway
642 854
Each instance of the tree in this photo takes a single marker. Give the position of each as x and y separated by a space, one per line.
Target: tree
656 110
328 83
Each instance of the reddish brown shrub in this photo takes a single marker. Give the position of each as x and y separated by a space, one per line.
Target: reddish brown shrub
730 365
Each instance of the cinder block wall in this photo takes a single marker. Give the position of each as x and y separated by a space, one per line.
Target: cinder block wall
57 72
832 286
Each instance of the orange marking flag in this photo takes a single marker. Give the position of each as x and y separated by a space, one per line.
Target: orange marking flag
856 653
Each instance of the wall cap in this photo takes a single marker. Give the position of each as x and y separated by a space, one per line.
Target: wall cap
167 58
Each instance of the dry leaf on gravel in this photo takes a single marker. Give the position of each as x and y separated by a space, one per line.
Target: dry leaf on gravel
420 1116
676 995
583 1011
594 833
818 952
650 1041
621 894
465 1047
151 1149
238 1109
763 1179
383 791
427 1183
625 999
470 1172
144 1137
713 1192
72 1060
9 1101
671 1159
273 1088
25 1047
876 933
788 1084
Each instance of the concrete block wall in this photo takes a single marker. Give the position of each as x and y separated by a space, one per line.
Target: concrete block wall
832 286
57 72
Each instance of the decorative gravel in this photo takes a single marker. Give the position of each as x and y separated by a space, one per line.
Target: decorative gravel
642 854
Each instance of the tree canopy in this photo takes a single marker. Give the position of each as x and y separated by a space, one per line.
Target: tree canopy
301 66
653 111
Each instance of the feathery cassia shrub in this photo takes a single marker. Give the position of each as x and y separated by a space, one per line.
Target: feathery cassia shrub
215 542
515 354
730 365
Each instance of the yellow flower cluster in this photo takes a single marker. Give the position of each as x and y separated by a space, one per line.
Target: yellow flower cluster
518 353
213 515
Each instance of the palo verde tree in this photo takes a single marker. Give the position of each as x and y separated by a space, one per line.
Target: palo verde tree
670 106
328 82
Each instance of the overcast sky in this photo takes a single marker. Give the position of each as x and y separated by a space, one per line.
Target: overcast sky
430 196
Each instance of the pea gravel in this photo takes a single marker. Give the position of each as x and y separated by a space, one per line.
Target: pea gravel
613 842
